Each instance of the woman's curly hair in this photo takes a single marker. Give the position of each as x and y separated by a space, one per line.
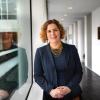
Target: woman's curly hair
43 32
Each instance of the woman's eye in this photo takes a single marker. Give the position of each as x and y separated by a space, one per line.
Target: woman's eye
55 30
48 31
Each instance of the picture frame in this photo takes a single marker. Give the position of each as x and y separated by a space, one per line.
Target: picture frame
98 33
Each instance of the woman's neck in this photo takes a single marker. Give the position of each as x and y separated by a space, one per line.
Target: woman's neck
56 45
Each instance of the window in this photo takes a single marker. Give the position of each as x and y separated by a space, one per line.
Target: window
13 62
8 9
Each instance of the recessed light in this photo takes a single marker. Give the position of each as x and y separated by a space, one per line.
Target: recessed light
70 8
62 19
65 15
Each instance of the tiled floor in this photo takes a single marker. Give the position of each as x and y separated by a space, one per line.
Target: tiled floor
90 85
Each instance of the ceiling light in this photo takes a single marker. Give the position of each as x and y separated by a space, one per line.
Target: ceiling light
70 8
62 19
65 15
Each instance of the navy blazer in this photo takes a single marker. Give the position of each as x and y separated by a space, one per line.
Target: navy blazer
45 72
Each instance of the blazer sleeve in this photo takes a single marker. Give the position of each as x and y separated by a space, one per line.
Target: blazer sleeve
78 70
39 73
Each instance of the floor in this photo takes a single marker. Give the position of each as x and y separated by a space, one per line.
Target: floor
36 93
90 85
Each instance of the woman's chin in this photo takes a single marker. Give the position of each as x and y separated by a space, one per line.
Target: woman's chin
54 41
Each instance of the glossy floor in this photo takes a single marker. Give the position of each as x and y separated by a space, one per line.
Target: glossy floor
90 85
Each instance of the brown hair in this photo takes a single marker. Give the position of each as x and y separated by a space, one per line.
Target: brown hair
43 33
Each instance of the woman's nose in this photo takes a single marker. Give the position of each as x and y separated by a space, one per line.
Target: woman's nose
52 33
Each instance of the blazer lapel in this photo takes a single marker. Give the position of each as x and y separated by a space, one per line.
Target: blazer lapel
50 57
66 51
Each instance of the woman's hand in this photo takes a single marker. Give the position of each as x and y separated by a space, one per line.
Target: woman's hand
56 93
60 91
64 90
3 94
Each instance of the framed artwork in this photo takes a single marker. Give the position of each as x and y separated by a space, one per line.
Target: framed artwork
98 33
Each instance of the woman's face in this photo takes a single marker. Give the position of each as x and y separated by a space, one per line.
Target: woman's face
53 33
7 40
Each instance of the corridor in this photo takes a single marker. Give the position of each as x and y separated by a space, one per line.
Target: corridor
22 21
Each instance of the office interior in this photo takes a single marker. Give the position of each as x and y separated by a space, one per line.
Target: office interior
81 21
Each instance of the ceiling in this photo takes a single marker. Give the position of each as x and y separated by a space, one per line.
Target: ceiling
68 11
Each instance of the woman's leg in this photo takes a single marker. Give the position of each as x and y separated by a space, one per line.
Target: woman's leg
77 98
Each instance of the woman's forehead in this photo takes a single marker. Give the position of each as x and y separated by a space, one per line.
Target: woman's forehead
52 26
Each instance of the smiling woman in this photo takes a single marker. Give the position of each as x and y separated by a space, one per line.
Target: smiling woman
57 67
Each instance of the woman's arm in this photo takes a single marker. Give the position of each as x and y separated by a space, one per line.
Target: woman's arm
39 73
78 70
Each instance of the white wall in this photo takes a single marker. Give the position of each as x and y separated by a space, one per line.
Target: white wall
70 34
95 41
80 38
39 16
88 40
75 37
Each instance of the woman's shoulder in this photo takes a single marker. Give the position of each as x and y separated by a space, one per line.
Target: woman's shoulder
69 45
42 48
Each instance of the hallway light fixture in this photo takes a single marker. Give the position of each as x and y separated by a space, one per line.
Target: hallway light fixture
70 8
62 19
65 15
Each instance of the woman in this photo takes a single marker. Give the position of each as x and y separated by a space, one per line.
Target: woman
8 40
57 67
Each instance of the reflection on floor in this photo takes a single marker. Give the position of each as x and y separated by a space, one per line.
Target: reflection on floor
90 85
35 93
